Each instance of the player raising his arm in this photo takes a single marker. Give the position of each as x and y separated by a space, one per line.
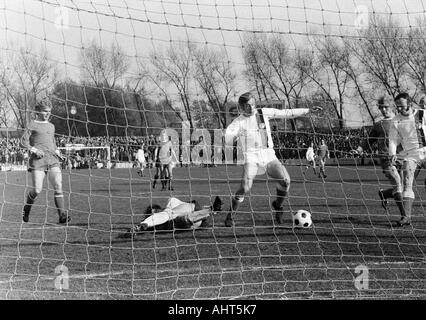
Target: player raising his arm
379 135
408 129
39 140
253 129
176 215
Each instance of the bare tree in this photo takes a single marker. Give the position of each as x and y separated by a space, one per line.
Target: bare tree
175 67
257 71
102 67
415 54
325 69
273 67
359 78
215 76
26 76
381 53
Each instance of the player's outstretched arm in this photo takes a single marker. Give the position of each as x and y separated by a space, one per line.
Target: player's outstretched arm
289 113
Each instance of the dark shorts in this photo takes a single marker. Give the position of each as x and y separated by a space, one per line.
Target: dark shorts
43 164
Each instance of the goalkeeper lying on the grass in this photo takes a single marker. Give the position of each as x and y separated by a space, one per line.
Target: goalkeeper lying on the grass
176 215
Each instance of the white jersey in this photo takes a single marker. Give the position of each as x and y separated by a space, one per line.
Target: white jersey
140 156
409 131
310 154
255 132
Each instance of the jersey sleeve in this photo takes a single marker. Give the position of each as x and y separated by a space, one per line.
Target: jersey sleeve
54 138
285 113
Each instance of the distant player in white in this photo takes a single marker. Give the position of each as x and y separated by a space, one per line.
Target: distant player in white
408 128
253 130
310 158
141 161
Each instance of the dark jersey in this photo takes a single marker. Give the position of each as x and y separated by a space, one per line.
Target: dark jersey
40 135
323 151
380 135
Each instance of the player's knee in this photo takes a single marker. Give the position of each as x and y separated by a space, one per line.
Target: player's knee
37 190
34 192
245 189
58 189
284 184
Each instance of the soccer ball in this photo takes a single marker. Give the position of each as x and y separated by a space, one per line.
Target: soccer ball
302 219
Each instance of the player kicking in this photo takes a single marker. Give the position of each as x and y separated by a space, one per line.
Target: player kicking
408 129
323 155
176 215
39 140
253 129
310 158
379 135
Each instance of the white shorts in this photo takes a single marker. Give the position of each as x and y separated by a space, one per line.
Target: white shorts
257 161
418 155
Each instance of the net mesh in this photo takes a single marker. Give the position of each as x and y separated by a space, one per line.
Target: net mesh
120 72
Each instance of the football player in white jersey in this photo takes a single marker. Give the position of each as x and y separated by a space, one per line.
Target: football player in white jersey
253 130
140 160
408 129
310 158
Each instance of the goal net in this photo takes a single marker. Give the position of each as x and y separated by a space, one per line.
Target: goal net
120 73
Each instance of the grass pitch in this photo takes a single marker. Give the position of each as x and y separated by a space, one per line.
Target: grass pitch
255 260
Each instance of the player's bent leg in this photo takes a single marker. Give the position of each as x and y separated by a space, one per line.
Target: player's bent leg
391 172
37 179
408 168
55 176
278 172
249 172
170 176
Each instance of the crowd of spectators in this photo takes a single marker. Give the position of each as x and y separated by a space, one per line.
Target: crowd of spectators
289 145
341 143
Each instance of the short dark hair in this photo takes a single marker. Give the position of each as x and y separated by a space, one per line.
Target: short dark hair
403 95
244 98
384 101
151 208
42 107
